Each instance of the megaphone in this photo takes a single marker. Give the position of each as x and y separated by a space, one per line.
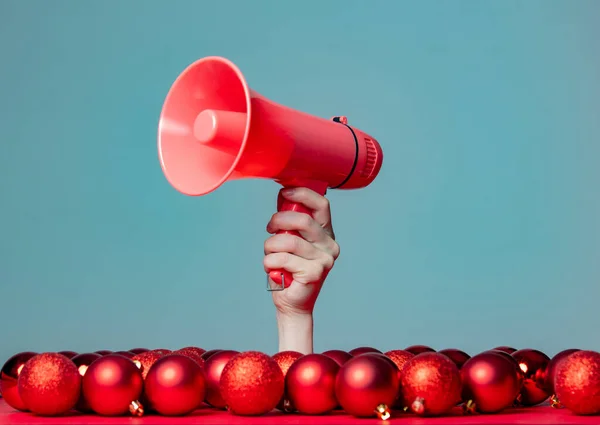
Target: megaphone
213 128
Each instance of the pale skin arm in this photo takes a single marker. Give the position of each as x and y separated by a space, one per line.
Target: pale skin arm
309 259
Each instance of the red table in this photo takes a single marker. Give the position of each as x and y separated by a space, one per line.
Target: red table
535 415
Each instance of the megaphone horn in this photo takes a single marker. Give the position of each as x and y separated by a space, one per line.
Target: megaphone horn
213 128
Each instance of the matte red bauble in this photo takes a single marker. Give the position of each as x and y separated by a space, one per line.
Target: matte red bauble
577 382
418 349
103 352
193 353
362 350
430 384
209 353
112 386
175 385
490 381
138 350
457 356
365 382
49 384
339 356
68 354
533 364
552 365
213 368
145 360
251 384
82 362
310 384
8 379
505 349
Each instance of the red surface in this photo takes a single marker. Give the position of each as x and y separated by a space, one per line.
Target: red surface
533 415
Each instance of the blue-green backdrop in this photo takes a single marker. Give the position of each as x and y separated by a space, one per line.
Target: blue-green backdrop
482 228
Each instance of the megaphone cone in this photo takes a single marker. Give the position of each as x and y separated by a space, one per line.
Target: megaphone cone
213 128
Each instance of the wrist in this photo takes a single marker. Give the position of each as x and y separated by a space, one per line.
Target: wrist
295 331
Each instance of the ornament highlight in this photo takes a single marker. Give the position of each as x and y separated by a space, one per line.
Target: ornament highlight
9 379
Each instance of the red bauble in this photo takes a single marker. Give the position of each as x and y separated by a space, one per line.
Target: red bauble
103 352
127 354
213 367
490 381
49 384
175 385
339 356
68 354
112 385
209 353
505 349
138 350
533 364
430 384
552 366
362 350
399 357
83 361
8 379
310 384
193 353
457 356
513 361
251 384
145 360
285 359
577 382
163 351
418 349
364 382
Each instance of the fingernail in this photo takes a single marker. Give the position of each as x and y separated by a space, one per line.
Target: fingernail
289 191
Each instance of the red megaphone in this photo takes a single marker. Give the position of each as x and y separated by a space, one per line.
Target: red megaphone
213 128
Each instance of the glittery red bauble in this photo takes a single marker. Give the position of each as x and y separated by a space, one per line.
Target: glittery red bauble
163 351
251 384
49 384
191 349
145 360
362 350
138 350
457 356
533 364
103 352
399 357
209 353
175 385
339 356
83 361
553 364
68 354
285 359
506 349
577 382
490 381
193 353
430 384
111 384
213 367
364 382
8 379
310 384
418 349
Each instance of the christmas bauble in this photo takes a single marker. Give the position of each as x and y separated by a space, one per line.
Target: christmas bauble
399 357
112 385
551 369
490 381
193 353
533 364
362 350
310 384
49 384
127 354
339 356
163 351
251 384
285 359
457 356
213 368
577 382
9 376
68 354
138 350
103 352
82 362
513 361
175 385
505 348
191 349
418 349
209 353
145 360
430 384
365 382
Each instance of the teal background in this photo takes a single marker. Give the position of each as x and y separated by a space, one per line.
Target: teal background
481 230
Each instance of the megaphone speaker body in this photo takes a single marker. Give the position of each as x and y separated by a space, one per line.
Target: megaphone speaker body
213 128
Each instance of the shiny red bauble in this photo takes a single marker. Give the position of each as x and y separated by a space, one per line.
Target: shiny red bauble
505 349
364 382
127 354
82 362
490 381
145 360
49 384
103 352
459 357
533 364
577 382
68 354
175 385
430 384
209 353
251 384
111 384
310 384
213 368
418 349
362 350
138 350
552 366
9 376
339 356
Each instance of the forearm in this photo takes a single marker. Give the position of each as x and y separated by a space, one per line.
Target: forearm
295 332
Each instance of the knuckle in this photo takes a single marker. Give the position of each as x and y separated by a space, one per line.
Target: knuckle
335 250
324 204
328 262
305 221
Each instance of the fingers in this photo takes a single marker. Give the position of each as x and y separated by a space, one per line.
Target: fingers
285 242
303 270
311 200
